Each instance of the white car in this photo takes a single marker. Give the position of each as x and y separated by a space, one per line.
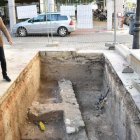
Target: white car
54 23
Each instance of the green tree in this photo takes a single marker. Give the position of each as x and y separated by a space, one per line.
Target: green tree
2 2
74 1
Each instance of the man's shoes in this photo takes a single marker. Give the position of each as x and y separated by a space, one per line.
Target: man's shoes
7 78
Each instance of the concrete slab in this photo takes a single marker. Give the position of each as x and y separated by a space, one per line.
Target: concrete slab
17 60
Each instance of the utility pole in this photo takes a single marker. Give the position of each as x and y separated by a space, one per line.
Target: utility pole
136 37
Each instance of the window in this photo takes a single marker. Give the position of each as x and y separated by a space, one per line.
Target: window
60 17
40 18
52 17
56 17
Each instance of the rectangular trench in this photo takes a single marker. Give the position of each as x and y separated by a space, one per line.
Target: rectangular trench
75 96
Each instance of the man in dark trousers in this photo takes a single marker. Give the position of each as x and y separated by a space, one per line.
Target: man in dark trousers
2 55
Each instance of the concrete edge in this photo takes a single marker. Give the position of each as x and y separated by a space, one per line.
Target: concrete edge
131 56
10 86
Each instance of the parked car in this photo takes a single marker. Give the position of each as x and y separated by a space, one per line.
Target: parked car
127 17
54 23
131 24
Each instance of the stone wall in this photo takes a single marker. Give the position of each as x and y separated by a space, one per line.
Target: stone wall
13 109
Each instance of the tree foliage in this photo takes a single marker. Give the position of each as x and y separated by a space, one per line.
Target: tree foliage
2 2
130 5
75 1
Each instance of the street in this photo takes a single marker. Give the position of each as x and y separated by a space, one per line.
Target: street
95 39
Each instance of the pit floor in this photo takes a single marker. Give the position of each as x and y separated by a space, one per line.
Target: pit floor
48 93
87 97
94 117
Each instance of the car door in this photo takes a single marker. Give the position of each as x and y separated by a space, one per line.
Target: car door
37 25
52 23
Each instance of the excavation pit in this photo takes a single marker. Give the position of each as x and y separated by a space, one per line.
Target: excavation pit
74 96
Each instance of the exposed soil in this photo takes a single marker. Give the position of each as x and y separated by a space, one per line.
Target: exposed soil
94 117
55 130
48 93
88 91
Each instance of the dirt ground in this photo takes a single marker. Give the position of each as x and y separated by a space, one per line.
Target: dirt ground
94 117
55 130
87 89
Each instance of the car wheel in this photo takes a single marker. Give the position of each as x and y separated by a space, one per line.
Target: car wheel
62 31
22 32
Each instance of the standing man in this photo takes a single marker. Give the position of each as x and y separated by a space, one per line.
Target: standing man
2 55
